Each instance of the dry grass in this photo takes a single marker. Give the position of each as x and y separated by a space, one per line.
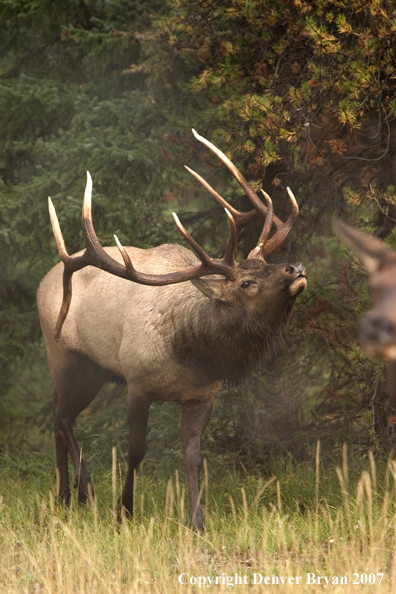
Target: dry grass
250 535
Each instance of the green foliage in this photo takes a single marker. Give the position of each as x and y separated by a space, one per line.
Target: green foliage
268 68
67 107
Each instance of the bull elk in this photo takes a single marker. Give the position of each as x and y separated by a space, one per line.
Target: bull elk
169 339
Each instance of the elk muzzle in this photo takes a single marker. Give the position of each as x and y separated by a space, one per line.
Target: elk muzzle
297 275
377 334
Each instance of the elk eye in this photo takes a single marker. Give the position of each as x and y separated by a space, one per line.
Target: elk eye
246 284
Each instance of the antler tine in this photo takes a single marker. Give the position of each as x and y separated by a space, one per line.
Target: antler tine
125 256
216 266
268 221
241 218
237 219
250 193
60 242
232 244
282 228
67 290
259 250
87 204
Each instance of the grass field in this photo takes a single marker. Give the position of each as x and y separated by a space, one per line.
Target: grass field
306 529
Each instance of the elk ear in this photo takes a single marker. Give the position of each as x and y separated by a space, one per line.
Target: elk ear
371 251
212 288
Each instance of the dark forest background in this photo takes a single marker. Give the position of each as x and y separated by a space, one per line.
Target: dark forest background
298 93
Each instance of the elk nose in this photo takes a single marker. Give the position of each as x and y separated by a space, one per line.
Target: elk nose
298 269
376 327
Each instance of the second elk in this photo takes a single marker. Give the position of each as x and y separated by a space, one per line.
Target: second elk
377 327
185 324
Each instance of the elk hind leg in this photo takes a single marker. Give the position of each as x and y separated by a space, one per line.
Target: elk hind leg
195 417
77 383
62 472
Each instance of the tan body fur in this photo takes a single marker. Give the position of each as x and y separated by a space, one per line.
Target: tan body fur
97 324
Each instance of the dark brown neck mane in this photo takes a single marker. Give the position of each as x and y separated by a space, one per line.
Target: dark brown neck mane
242 344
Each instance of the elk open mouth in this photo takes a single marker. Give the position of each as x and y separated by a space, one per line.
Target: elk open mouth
298 285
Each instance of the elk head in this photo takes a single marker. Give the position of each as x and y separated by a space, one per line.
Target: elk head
377 328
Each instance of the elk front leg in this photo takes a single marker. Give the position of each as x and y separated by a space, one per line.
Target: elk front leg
195 417
137 410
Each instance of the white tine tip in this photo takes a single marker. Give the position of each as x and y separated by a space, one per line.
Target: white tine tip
266 196
176 218
52 210
57 230
88 197
199 137
291 195
118 242
88 187
52 214
229 215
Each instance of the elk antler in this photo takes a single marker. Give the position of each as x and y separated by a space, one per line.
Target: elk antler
95 255
264 245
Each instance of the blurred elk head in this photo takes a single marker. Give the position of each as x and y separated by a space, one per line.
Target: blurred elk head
377 328
171 324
